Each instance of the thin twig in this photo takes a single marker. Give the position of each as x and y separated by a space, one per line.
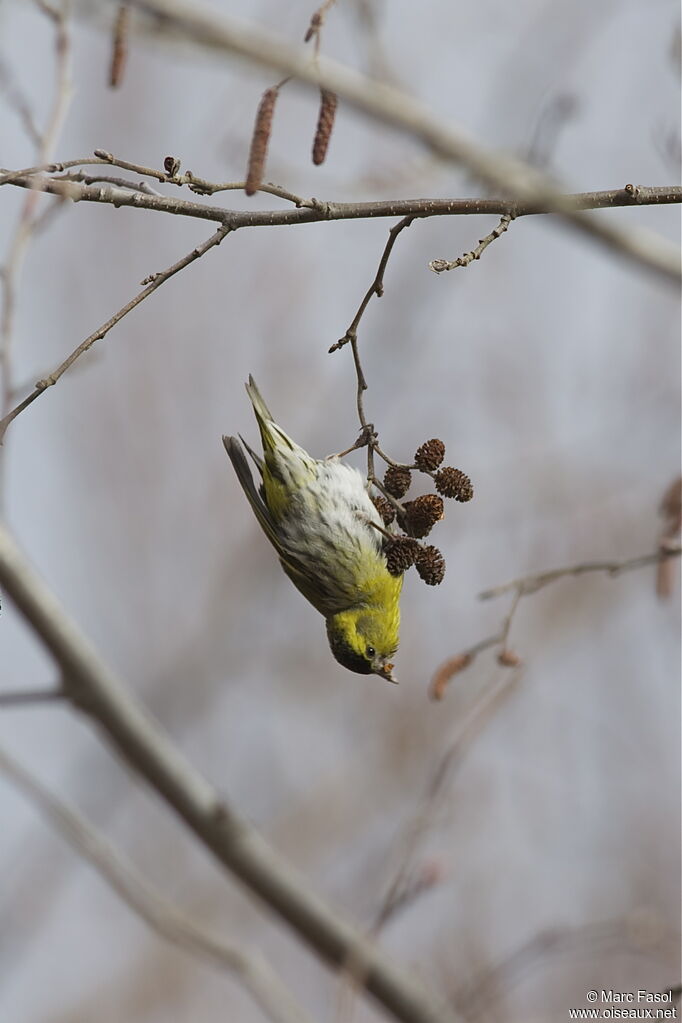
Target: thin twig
407 884
153 283
20 697
524 587
468 729
212 30
17 101
528 584
162 917
440 265
670 511
376 287
235 843
110 179
367 434
312 210
314 30
29 219
202 187
476 997
51 211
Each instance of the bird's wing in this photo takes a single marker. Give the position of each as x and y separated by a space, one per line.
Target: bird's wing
260 408
258 461
324 596
320 592
260 509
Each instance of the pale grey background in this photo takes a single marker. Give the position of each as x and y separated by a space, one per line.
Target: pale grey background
550 369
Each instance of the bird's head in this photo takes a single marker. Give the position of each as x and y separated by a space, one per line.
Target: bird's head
364 640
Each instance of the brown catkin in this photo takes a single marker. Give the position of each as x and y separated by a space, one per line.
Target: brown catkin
447 671
397 479
384 508
313 27
508 658
422 514
119 49
430 565
259 141
454 483
430 454
325 123
401 553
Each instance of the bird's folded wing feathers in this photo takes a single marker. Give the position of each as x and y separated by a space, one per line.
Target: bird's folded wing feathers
241 467
321 593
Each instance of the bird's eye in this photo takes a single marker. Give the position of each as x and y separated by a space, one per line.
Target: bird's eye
371 652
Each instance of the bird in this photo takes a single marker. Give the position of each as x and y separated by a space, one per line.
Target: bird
319 517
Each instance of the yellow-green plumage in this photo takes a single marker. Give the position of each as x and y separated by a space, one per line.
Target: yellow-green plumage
317 515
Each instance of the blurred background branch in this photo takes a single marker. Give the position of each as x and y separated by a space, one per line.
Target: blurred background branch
231 839
168 922
44 142
669 548
551 370
121 193
212 30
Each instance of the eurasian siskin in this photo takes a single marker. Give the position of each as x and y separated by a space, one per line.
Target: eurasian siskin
317 515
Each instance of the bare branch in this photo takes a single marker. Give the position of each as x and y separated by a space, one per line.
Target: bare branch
21 697
110 179
407 883
440 265
307 211
524 587
168 922
234 842
367 435
29 219
314 30
17 101
477 996
153 283
468 729
670 511
532 583
310 211
214 31
375 288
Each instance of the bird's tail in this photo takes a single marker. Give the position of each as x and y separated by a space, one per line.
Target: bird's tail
259 407
241 467
273 436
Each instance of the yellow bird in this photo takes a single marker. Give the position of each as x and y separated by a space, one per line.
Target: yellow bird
317 514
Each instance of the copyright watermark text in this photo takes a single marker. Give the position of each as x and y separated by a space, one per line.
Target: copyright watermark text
640 1004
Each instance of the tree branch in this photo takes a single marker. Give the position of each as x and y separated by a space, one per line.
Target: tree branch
20 697
29 218
144 746
532 583
310 211
253 971
524 587
213 31
408 883
153 283
440 265
18 102
307 211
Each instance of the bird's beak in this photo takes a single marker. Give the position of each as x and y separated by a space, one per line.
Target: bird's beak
385 670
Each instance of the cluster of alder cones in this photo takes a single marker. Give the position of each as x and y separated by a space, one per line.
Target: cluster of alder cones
418 517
